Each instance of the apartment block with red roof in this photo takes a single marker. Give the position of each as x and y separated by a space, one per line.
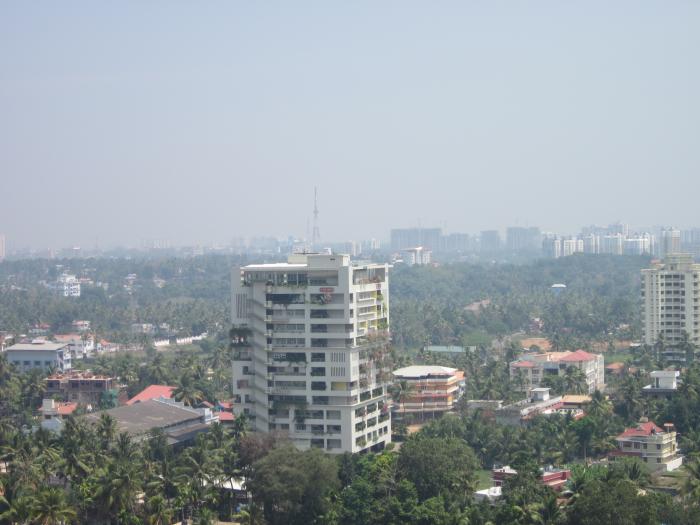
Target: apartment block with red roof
654 445
529 370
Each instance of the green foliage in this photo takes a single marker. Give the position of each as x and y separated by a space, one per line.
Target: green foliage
428 304
293 486
438 466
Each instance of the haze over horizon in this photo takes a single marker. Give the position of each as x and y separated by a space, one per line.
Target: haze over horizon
198 123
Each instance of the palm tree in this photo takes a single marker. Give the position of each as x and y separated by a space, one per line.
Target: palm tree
50 507
158 371
691 486
106 429
158 511
401 392
575 381
187 391
19 511
599 406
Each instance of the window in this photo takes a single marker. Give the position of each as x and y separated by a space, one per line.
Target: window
318 357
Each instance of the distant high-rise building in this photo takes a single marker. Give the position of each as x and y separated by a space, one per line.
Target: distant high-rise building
490 241
520 239
640 245
591 243
669 292
310 338
690 242
670 241
417 256
618 229
371 245
456 242
403 238
612 244
571 246
2 246
551 246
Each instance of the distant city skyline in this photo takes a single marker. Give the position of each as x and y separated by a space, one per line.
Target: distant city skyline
387 241
195 125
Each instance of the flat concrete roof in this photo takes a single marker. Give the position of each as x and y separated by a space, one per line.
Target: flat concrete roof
37 346
417 371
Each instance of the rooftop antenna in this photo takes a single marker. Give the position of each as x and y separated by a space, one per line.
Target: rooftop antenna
315 235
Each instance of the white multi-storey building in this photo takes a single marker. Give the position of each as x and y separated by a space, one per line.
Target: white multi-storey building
531 369
671 299
69 285
571 246
311 350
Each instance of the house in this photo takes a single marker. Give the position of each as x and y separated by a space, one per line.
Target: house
54 412
538 403
152 392
81 325
576 401
430 388
615 369
180 423
80 345
86 388
40 354
529 370
554 478
664 383
491 494
654 445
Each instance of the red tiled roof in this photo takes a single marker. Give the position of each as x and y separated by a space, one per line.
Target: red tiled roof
152 392
227 405
578 355
615 366
64 409
642 430
225 416
524 364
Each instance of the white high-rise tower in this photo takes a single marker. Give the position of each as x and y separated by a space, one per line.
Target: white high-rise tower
311 350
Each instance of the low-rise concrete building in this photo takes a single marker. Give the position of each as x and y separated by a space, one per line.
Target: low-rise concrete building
86 388
538 403
664 383
80 345
40 354
430 388
179 422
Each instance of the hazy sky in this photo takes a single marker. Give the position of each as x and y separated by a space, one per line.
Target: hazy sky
202 121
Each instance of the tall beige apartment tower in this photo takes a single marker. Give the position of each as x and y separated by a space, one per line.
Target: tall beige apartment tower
671 304
311 350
